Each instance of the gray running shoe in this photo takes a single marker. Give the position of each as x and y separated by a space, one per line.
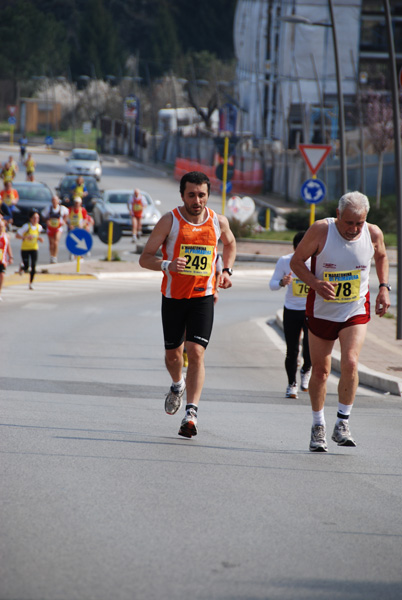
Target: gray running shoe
318 443
174 399
188 427
341 435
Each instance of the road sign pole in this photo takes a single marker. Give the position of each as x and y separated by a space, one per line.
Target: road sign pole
312 208
11 135
225 173
312 214
78 263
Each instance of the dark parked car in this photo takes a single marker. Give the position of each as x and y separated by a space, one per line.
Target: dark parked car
67 184
32 194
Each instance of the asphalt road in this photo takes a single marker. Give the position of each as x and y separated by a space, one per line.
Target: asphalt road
101 499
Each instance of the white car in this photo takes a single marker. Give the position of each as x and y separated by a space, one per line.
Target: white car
114 207
84 162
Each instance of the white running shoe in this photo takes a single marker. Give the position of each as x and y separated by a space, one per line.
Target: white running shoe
305 380
291 391
188 427
318 442
342 435
174 399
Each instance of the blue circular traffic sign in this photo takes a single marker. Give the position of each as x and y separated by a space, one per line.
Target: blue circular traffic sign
12 120
313 191
79 242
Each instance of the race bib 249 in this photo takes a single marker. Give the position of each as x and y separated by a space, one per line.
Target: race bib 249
199 259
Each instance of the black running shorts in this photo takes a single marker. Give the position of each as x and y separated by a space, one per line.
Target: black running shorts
188 318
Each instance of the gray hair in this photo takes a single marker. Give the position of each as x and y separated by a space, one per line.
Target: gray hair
357 202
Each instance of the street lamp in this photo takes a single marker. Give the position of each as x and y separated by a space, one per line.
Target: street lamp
299 19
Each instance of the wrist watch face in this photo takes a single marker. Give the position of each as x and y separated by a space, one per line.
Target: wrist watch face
385 285
230 271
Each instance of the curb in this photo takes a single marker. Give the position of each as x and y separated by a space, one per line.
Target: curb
373 379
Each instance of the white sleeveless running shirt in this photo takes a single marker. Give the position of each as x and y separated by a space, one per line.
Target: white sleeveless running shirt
346 264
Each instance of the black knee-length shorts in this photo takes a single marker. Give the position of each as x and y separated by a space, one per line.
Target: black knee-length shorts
187 318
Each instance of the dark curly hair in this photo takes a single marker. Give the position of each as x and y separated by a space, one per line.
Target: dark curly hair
194 177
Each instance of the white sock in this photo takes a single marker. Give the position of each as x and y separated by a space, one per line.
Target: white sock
318 417
344 411
179 384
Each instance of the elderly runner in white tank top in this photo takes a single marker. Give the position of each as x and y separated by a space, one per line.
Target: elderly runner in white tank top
338 304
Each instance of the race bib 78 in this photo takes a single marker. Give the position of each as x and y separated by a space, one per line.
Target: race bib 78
347 285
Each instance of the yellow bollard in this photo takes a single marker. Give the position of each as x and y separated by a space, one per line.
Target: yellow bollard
268 219
110 241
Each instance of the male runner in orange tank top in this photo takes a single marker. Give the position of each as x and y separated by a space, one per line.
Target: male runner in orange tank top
189 236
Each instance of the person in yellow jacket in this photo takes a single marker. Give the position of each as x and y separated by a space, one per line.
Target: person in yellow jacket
8 172
30 165
29 233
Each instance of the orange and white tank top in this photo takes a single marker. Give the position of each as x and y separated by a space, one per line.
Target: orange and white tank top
198 243
4 243
346 264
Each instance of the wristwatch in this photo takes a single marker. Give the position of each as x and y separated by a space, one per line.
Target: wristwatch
228 270
385 285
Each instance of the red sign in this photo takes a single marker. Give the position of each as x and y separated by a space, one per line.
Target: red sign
12 110
314 155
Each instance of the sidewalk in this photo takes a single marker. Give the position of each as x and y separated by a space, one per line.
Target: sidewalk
381 357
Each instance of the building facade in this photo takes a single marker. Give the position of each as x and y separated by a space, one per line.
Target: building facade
286 73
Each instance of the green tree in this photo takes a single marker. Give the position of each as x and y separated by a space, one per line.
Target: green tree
163 49
31 43
98 52
206 25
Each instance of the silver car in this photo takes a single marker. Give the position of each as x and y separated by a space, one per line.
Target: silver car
84 162
114 207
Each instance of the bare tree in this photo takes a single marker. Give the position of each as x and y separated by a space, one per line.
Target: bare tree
378 117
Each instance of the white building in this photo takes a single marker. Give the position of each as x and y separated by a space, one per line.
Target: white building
286 72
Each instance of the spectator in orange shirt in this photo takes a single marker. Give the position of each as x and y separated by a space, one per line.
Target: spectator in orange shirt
9 196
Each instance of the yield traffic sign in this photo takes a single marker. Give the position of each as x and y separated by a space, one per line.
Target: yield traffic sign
314 155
